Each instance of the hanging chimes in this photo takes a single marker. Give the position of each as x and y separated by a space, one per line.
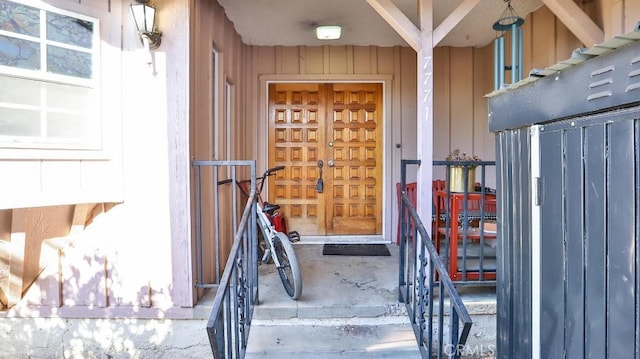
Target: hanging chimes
510 24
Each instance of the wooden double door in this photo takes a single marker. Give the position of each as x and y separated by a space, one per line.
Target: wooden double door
329 138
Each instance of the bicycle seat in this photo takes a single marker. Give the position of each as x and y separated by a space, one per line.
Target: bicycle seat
269 208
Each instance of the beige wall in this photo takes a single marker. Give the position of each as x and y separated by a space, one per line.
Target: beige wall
143 248
395 67
131 259
49 177
210 130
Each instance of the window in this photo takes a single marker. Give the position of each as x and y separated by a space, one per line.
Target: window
48 83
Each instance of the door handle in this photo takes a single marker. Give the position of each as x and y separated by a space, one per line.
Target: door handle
330 163
320 184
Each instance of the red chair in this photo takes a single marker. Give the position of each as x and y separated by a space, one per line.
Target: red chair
412 193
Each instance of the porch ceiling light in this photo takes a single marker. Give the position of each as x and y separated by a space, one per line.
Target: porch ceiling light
328 32
144 17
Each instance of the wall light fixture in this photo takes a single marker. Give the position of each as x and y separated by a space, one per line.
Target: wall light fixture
144 17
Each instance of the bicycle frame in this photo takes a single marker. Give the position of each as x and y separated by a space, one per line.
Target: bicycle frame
278 243
266 225
268 233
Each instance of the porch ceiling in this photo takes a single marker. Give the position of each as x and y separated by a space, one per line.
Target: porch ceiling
292 22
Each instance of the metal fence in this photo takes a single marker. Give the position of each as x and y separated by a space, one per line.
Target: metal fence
237 290
422 278
461 221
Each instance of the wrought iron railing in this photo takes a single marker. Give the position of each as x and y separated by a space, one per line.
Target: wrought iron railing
422 278
237 291
471 256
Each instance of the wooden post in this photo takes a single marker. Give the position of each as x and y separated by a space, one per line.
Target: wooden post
425 110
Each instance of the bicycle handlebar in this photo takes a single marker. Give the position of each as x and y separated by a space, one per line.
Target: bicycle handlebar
270 171
229 180
267 173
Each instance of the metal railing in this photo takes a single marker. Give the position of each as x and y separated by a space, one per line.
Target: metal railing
421 274
237 291
473 260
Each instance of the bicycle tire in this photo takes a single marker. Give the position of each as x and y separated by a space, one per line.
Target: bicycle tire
289 269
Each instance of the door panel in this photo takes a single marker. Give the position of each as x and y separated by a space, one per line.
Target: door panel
295 111
354 184
329 122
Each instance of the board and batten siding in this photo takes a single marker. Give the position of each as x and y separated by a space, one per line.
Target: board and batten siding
156 144
395 67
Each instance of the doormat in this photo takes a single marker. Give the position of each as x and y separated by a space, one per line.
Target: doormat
355 250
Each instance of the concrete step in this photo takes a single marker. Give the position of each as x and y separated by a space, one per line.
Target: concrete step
348 309
332 338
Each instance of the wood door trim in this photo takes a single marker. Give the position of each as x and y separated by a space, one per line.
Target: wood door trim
379 145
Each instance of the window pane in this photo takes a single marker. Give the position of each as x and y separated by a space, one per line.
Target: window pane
68 62
19 91
69 30
14 122
19 18
23 54
66 126
65 97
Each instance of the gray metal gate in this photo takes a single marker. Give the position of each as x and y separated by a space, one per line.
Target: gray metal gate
514 244
568 163
589 231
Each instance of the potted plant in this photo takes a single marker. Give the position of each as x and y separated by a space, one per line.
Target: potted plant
457 170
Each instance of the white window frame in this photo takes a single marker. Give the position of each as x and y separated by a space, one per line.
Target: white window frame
93 146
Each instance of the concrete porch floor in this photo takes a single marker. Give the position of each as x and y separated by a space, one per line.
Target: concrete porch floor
349 309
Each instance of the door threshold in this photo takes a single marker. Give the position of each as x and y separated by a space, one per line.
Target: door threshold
372 239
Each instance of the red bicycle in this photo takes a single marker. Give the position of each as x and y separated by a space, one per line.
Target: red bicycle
272 237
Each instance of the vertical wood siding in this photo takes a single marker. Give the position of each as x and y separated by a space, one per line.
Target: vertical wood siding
461 78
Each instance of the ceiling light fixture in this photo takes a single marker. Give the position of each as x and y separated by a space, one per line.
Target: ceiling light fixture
328 32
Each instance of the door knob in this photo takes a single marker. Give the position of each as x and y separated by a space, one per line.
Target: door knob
330 163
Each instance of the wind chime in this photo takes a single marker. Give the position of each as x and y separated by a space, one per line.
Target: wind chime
508 23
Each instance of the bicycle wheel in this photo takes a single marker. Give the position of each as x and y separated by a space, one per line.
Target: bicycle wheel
289 269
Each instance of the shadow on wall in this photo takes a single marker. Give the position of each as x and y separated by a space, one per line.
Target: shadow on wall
36 241
64 309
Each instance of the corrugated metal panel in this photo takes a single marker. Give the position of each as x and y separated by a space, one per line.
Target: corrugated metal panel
595 244
607 81
589 154
552 248
577 57
514 245
589 223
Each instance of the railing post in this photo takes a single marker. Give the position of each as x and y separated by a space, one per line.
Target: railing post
237 292
424 263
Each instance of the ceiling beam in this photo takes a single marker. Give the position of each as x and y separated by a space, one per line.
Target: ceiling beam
453 20
576 21
398 21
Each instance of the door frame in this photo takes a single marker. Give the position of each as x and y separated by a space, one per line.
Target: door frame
262 155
